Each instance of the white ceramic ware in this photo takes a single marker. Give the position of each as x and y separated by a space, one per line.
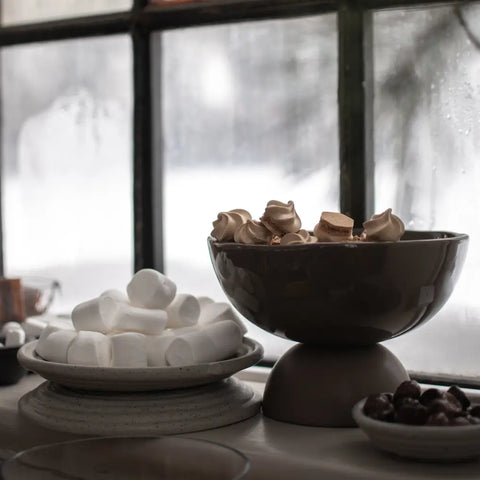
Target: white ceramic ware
124 379
426 443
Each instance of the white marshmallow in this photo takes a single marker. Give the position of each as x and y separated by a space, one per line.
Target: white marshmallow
91 349
2 345
10 326
57 344
89 316
34 326
52 326
214 342
111 302
151 289
129 349
142 320
218 311
190 349
183 311
14 337
156 347
226 336
204 301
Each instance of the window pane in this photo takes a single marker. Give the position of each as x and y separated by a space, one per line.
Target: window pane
250 115
427 131
25 11
66 184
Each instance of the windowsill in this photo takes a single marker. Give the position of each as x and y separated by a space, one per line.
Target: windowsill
276 450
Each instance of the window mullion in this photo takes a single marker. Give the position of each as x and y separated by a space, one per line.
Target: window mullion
147 206
355 103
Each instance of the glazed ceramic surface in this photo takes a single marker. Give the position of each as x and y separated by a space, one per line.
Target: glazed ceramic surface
439 444
139 379
10 369
117 458
341 293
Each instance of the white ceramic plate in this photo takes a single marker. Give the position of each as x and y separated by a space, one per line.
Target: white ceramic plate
427 443
139 379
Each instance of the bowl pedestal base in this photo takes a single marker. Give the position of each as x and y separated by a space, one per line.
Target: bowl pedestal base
318 385
140 413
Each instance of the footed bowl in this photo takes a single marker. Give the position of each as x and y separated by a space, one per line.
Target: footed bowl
352 293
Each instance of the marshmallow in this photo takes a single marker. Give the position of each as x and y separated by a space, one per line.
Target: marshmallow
111 302
93 315
10 326
156 347
226 336
57 344
216 312
204 301
52 326
190 349
129 350
14 337
151 289
183 311
215 342
142 320
91 349
34 326
2 345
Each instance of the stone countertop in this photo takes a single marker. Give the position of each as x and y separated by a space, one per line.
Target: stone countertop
276 450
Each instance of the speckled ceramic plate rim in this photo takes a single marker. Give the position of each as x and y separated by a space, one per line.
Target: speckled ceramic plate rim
154 375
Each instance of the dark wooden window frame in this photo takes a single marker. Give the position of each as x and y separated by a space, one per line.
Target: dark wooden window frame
355 93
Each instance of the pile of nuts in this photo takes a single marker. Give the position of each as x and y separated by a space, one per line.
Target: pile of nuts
409 405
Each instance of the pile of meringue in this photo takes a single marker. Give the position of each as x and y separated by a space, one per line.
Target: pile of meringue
150 326
280 224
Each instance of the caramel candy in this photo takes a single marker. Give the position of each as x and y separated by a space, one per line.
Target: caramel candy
12 302
460 396
408 388
334 227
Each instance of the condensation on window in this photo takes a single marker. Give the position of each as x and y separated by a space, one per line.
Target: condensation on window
26 11
67 149
427 144
249 115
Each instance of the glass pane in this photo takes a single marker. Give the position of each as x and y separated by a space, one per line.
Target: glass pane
66 183
25 11
427 113
250 115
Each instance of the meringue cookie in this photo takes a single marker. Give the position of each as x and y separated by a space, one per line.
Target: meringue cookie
297 238
227 222
384 227
334 227
253 232
281 218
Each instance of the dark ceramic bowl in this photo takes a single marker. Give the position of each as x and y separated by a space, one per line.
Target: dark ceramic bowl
341 293
10 369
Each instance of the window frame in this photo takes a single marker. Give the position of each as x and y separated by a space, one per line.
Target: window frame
355 95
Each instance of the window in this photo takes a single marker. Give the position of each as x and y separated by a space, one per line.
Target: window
335 105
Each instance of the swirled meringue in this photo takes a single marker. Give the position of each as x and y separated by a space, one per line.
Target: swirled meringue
334 227
383 227
296 238
227 222
253 232
281 218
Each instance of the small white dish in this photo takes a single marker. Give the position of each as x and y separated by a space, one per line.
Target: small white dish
427 443
139 379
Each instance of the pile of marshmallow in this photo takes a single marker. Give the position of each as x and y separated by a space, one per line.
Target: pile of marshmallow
14 334
150 326
280 224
